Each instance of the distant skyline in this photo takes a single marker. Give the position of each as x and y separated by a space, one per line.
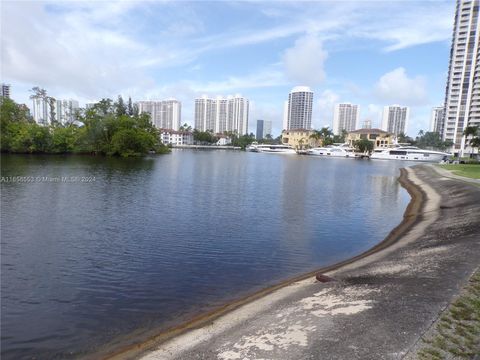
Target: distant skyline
370 53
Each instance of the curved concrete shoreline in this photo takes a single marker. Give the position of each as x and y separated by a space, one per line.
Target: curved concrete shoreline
303 318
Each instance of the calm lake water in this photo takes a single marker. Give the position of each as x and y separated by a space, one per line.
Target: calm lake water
148 243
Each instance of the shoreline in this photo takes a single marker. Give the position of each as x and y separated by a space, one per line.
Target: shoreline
411 216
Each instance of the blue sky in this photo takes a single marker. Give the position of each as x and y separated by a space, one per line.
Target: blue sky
372 53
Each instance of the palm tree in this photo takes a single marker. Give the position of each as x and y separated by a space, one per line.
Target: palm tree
327 136
300 143
474 133
185 127
316 136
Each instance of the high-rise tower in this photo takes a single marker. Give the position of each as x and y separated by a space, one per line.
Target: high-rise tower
436 120
222 114
5 91
299 108
345 117
395 119
462 98
165 114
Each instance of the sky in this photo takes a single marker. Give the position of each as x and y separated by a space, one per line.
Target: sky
371 53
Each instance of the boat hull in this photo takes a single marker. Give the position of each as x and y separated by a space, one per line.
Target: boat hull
410 157
274 151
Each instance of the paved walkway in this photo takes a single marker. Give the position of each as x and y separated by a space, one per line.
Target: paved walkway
377 308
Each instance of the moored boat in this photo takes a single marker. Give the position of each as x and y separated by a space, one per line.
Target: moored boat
274 149
334 151
409 153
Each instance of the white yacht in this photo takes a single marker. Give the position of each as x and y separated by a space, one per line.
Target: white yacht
409 153
334 151
252 147
274 149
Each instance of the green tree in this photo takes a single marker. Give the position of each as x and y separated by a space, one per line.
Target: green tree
242 141
131 142
364 145
316 136
103 131
204 137
64 139
472 135
404 139
432 140
185 127
340 139
120 108
130 111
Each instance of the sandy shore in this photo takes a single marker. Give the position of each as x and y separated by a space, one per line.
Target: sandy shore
379 306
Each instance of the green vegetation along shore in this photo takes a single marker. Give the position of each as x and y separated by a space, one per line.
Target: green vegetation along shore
108 128
458 331
467 170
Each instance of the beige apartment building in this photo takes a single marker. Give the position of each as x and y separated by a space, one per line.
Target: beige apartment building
298 138
380 138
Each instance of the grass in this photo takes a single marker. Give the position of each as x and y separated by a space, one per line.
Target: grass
467 170
457 333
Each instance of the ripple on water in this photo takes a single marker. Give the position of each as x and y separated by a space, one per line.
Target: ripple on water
154 241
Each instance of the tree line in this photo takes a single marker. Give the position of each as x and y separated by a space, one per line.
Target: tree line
209 137
112 128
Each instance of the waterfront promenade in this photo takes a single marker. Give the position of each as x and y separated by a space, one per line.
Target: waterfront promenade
378 307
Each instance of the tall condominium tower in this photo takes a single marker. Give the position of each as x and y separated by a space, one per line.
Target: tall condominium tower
222 114
345 117
395 119
462 99
436 120
5 91
205 111
165 114
264 128
299 108
41 110
65 110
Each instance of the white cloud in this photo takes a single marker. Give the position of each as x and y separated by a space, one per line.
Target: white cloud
323 109
305 60
421 25
373 112
396 87
260 79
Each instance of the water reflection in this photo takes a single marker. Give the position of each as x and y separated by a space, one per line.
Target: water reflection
152 241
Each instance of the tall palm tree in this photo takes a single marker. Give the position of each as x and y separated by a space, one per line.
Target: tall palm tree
316 136
474 133
185 127
327 136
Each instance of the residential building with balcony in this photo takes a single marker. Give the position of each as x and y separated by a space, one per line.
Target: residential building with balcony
462 97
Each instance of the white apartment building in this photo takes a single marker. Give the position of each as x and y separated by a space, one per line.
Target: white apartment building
173 137
222 114
65 111
41 110
462 98
395 119
436 120
346 116
165 114
299 109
